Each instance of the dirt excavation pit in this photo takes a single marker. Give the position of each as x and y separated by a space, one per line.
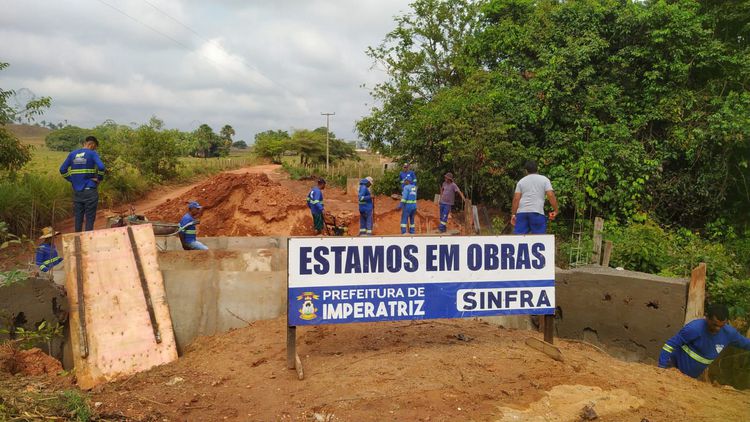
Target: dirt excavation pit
438 370
251 204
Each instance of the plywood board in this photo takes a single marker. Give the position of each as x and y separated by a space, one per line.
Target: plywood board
119 334
696 293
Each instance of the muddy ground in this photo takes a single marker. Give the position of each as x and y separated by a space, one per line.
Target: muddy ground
443 370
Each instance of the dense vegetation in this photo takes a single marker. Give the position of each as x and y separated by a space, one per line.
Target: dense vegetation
639 111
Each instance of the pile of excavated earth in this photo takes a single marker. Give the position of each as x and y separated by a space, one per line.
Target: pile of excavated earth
252 204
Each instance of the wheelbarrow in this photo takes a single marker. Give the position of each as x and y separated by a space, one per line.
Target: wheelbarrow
161 230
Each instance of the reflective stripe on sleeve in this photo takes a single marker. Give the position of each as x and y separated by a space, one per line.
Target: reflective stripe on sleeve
696 356
667 348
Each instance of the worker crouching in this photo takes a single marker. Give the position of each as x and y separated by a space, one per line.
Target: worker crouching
189 228
408 206
46 252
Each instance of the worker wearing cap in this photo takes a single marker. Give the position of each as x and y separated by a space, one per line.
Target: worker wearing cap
188 228
84 170
315 203
448 192
406 172
408 206
365 207
46 252
700 342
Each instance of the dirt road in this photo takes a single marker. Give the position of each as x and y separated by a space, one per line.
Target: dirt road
440 370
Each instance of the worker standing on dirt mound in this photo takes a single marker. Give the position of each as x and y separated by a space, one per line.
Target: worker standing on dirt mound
84 170
407 173
527 215
700 341
46 252
189 230
408 206
448 192
365 207
315 203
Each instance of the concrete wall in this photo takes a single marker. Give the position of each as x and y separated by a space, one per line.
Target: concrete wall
630 314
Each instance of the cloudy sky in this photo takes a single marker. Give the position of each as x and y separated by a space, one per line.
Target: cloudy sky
256 65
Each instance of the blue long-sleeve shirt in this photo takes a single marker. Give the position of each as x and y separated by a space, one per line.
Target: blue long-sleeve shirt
82 169
46 257
694 347
189 228
365 197
409 198
315 200
410 175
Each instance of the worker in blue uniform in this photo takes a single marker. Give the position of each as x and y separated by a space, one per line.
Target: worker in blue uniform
315 203
700 341
365 207
407 173
188 228
46 252
84 170
408 206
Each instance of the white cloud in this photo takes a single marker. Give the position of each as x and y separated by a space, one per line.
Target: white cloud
254 65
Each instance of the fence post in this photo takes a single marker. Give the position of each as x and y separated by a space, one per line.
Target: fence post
598 227
607 253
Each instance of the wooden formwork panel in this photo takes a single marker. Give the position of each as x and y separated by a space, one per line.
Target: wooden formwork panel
119 337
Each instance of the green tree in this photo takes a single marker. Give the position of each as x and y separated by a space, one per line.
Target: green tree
631 108
155 152
66 139
271 144
13 154
239 144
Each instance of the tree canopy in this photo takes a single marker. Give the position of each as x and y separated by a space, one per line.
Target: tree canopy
631 108
309 145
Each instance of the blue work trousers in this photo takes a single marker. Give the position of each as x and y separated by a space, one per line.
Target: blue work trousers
445 211
407 219
530 223
365 223
84 205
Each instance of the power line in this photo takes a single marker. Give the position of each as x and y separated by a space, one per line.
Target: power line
122 12
196 33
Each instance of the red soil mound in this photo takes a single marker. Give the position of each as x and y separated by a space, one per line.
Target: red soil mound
241 205
28 362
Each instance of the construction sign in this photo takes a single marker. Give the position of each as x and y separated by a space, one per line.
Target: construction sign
337 280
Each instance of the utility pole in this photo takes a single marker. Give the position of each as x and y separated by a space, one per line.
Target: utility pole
328 133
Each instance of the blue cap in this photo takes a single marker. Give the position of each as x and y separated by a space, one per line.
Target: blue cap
194 204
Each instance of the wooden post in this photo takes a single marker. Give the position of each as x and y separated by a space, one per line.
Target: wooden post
548 322
468 218
291 347
607 253
696 293
598 227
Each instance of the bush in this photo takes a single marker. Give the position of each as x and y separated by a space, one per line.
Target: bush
640 247
734 293
66 139
34 201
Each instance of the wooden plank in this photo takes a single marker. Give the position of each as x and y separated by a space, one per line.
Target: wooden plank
475 216
696 293
597 251
468 218
298 367
607 254
548 349
119 330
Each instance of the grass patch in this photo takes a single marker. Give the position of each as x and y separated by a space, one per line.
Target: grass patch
23 400
367 165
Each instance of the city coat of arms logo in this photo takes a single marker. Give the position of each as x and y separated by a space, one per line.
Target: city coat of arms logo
308 309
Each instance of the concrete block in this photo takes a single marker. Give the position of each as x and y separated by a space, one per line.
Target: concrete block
172 243
225 260
207 302
629 313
